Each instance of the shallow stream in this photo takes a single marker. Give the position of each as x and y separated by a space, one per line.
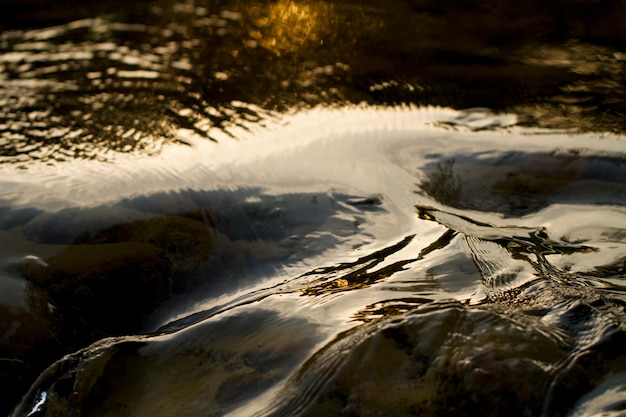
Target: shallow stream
298 208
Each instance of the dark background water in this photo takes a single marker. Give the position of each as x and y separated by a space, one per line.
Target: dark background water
557 64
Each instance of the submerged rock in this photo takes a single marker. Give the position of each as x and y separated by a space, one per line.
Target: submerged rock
117 275
539 341
206 369
450 359
447 361
120 263
520 183
114 286
443 358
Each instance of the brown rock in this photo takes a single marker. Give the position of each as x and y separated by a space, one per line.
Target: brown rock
114 285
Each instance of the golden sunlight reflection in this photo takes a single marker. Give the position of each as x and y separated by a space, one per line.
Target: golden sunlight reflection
286 25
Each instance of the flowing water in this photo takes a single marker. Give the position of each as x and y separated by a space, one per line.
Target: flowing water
298 208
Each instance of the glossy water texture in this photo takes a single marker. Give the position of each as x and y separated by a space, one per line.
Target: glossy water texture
312 208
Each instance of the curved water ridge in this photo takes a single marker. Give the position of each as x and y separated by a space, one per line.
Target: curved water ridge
388 262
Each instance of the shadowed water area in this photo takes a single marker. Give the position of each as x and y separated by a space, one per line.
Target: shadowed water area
312 208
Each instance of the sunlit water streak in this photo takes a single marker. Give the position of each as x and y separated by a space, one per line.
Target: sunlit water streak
388 263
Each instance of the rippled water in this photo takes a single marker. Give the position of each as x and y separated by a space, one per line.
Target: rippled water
295 208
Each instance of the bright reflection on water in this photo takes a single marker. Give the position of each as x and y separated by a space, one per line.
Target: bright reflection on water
277 208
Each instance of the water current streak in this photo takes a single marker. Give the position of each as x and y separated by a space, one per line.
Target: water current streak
357 274
508 258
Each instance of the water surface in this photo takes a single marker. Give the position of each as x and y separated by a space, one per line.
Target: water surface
310 208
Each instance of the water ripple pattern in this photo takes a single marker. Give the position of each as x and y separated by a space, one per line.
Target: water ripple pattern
307 208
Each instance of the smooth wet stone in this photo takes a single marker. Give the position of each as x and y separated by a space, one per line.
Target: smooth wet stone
114 286
197 254
438 359
151 248
116 276
450 361
208 369
181 245
519 183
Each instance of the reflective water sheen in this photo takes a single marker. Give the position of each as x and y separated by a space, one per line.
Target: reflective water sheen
297 208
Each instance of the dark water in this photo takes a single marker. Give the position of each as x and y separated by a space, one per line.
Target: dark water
312 208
